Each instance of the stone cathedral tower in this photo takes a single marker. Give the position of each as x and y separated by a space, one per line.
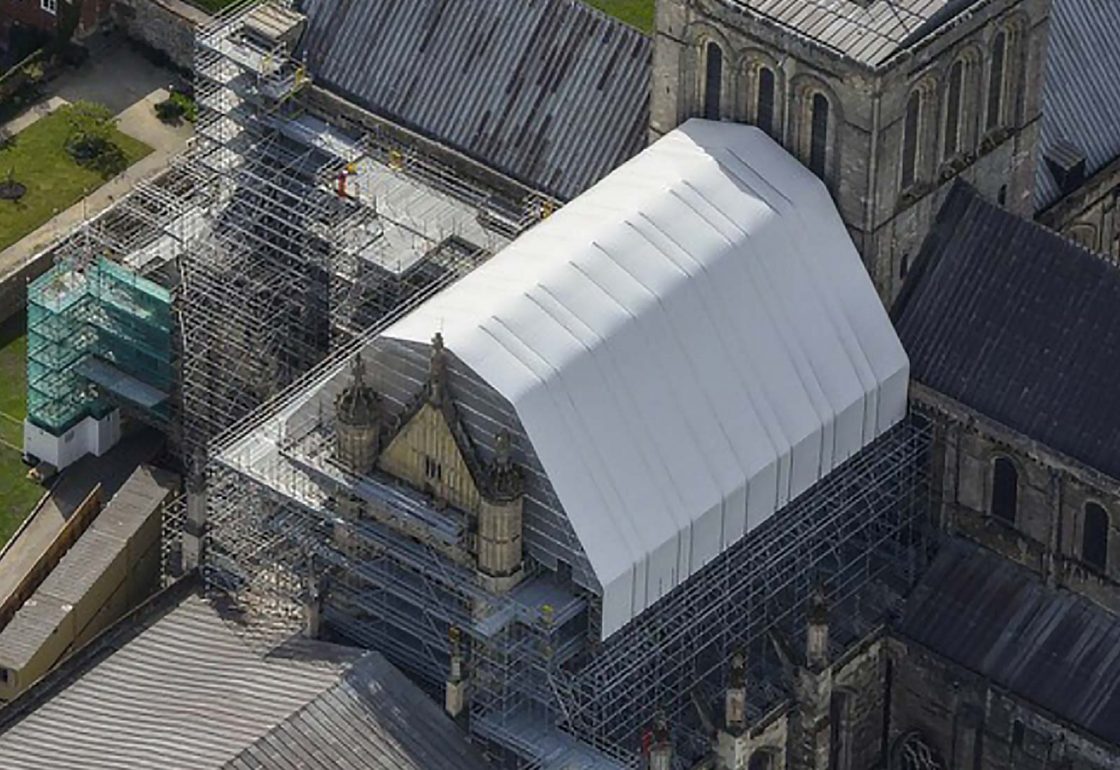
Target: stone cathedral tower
886 105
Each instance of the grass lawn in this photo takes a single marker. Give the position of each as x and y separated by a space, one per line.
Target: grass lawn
38 157
17 495
636 13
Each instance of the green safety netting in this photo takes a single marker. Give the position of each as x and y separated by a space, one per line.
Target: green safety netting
96 336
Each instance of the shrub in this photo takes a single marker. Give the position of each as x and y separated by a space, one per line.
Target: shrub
169 111
188 106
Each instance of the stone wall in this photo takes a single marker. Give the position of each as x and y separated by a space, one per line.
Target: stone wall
166 26
1053 491
973 725
1089 214
885 692
867 112
13 285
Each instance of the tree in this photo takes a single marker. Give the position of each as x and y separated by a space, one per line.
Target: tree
90 141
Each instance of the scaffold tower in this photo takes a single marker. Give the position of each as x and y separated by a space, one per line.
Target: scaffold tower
544 690
99 337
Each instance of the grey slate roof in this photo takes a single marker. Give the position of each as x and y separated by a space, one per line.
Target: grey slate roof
1020 324
373 719
1081 95
550 92
1051 647
868 34
187 692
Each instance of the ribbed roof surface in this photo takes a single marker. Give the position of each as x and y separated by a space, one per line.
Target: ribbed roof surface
869 34
1081 96
101 546
688 345
1051 647
1021 325
551 92
373 719
187 692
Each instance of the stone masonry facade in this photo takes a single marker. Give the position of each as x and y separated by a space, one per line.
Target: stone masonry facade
1089 215
868 108
889 703
1054 492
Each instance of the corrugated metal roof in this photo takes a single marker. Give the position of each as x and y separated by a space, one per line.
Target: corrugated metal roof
187 692
1020 324
1081 95
701 327
551 92
1054 648
869 34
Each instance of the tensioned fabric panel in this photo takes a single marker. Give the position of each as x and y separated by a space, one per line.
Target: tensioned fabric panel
689 345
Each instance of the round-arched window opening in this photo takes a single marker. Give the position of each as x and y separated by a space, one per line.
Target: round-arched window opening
1005 490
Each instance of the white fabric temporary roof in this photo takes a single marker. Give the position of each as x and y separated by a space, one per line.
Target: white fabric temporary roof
689 345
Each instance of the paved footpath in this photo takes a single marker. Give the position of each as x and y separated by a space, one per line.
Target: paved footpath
131 86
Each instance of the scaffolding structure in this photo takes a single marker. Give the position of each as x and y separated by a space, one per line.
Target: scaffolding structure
280 231
273 241
861 531
288 525
99 336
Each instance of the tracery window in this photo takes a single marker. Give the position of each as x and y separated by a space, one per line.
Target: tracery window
763 759
915 754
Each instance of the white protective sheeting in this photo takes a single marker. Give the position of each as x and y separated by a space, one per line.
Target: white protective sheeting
689 345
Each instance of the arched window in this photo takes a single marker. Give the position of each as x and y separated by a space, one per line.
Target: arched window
954 106
841 724
818 135
764 106
914 753
762 759
996 81
713 80
1094 537
910 142
1005 489
1085 235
